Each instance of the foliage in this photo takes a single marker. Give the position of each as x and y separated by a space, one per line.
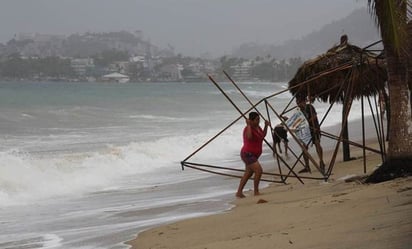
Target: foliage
16 67
264 71
391 18
227 63
19 44
109 56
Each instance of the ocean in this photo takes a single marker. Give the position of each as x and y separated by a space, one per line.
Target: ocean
89 165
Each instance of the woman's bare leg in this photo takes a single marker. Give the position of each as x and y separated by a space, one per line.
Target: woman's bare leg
248 173
257 169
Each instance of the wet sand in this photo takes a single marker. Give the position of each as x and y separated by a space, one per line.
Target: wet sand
338 213
333 214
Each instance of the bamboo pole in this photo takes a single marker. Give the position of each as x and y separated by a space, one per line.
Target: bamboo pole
237 108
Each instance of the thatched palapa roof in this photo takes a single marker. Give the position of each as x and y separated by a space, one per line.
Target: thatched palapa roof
343 69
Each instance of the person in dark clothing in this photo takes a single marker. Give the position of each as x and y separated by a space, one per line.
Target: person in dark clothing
310 113
280 134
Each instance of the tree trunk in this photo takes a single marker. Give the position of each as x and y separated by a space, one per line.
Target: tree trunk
410 63
400 139
399 158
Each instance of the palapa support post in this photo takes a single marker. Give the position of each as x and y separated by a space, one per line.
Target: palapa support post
363 136
345 136
346 109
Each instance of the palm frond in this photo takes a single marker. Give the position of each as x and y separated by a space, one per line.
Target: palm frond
392 16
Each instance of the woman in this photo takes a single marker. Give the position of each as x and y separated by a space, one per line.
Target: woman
253 136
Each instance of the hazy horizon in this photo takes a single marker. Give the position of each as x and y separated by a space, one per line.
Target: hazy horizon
192 27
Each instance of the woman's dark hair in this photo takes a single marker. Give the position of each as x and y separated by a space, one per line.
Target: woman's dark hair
253 115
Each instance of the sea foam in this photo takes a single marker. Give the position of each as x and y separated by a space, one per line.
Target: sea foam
26 178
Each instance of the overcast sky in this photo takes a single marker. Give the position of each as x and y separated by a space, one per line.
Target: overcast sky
193 27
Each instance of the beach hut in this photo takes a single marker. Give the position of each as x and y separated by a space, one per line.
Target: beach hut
343 74
343 71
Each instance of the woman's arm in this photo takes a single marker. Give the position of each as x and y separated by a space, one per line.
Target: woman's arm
266 127
248 129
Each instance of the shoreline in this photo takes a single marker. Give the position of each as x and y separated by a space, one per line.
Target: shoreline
356 168
321 207
317 214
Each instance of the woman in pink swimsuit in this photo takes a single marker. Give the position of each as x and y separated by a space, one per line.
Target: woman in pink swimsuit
253 136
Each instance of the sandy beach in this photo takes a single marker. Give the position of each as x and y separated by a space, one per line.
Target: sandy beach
339 213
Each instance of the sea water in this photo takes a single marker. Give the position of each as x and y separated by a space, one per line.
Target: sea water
89 165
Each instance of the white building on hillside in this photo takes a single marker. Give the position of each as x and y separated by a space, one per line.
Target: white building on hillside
116 77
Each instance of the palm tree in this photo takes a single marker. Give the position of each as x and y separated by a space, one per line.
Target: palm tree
392 18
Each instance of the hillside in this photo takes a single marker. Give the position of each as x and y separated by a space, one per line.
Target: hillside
359 26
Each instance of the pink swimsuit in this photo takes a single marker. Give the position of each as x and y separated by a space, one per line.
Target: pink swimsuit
253 145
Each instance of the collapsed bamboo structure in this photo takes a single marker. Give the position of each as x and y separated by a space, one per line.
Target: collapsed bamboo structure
344 73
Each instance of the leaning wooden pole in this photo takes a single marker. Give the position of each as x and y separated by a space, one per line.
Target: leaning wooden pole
253 107
291 150
346 108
